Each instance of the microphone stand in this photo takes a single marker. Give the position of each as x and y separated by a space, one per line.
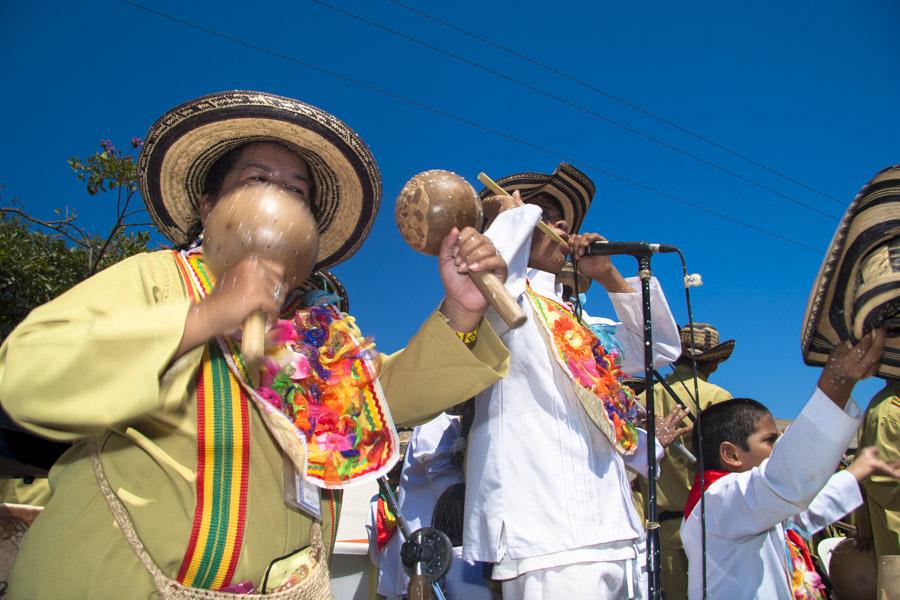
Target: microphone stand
403 524
654 591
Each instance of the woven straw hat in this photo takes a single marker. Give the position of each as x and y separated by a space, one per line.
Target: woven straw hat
184 143
858 285
706 343
568 186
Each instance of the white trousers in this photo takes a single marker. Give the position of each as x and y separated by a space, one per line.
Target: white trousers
620 579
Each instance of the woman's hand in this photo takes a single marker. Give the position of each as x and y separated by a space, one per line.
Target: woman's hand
250 285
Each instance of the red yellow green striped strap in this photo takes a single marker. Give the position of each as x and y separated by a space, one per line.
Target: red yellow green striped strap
223 466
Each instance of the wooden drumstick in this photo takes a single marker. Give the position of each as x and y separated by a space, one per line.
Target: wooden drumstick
494 187
430 205
271 223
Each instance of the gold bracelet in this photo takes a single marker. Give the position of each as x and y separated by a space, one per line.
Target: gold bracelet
468 337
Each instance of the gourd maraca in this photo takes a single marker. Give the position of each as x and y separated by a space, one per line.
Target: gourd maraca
268 222
428 207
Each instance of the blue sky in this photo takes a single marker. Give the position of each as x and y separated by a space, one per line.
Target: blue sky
809 89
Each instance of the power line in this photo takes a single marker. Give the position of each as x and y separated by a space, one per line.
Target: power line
619 99
576 106
470 123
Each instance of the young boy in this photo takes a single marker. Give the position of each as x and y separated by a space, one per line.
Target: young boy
758 495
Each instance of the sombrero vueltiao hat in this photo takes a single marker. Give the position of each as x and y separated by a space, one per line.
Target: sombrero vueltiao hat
706 346
184 143
568 186
858 285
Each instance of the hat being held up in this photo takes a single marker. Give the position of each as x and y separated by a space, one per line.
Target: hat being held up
857 288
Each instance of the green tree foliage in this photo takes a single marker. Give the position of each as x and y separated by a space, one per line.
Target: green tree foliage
42 258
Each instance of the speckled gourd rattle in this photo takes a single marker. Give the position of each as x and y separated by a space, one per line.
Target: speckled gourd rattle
428 207
268 222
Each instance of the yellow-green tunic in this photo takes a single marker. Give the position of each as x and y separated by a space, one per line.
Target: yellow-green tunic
97 363
676 476
882 430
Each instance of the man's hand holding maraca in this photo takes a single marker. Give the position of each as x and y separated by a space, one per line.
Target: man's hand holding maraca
251 284
462 252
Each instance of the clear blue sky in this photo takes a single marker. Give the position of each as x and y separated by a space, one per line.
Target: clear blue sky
809 89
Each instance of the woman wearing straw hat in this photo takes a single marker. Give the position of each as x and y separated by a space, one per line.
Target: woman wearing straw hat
183 479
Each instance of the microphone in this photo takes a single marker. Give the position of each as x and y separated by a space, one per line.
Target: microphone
632 248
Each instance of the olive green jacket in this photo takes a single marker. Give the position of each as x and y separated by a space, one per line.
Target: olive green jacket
96 363
882 430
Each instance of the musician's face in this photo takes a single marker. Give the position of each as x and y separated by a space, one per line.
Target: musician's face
264 163
546 254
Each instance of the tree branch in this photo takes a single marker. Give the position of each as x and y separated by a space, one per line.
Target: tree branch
59 225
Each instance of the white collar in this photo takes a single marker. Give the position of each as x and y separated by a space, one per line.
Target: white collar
544 283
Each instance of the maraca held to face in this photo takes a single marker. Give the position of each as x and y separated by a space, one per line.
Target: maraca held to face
251 283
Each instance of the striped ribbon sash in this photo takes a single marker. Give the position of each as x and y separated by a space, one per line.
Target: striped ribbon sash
223 468
223 461
223 450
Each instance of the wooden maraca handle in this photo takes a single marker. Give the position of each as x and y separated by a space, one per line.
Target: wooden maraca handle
253 343
499 298
419 588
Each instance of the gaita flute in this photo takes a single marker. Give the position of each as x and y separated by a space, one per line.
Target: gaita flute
492 185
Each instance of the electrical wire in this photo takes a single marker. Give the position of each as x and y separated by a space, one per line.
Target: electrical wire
473 124
618 99
576 106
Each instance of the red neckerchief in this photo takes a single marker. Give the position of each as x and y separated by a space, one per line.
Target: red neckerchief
710 476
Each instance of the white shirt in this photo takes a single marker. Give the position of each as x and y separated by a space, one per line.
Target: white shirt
544 485
428 470
745 511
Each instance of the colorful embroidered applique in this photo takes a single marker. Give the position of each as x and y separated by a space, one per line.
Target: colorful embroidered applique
595 373
319 393
385 523
806 584
321 373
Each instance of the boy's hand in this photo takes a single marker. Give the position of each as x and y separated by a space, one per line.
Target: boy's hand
848 365
867 463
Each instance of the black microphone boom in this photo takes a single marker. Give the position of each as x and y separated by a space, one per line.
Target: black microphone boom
631 248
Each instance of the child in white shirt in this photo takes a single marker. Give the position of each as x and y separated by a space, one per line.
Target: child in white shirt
762 498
